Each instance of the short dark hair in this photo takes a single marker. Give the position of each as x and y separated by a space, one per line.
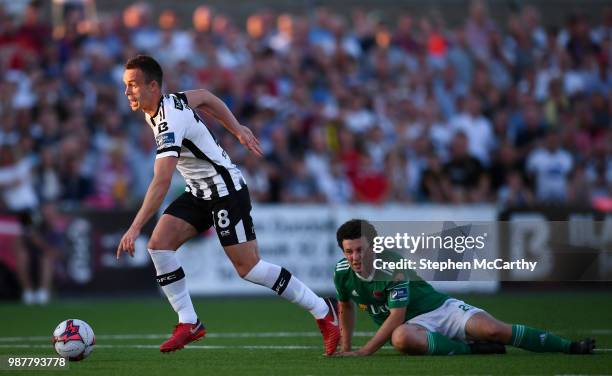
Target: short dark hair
355 229
149 66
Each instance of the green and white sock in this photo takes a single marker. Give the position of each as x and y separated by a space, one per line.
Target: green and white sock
437 344
536 340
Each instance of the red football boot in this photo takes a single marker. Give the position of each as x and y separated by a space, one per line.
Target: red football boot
330 328
182 335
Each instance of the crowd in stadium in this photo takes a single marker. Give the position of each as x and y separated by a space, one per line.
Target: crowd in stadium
349 108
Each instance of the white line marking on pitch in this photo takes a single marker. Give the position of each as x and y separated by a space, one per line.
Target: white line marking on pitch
120 337
201 347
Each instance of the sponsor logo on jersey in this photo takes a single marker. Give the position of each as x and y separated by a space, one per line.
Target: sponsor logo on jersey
399 294
377 294
378 309
177 103
225 233
543 337
165 139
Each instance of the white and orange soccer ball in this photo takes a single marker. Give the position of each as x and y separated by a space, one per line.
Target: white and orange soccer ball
73 339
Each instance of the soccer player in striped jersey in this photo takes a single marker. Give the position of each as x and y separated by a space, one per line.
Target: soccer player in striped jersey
416 318
216 195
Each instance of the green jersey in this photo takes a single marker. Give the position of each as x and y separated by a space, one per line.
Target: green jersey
385 290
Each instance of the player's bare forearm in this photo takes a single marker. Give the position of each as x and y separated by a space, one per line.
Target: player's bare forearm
162 177
206 101
347 325
383 335
153 199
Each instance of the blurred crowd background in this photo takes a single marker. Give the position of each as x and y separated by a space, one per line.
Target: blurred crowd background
350 108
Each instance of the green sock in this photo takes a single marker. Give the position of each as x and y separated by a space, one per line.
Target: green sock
538 340
440 345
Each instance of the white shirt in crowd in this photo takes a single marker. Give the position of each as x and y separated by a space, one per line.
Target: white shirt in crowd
18 192
479 134
551 170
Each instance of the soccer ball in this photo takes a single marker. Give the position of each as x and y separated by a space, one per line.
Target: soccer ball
73 339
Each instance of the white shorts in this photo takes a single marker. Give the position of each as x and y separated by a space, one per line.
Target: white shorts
449 319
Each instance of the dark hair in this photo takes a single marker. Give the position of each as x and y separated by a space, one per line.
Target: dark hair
151 68
355 229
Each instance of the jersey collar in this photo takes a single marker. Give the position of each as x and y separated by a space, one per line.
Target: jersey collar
159 104
368 278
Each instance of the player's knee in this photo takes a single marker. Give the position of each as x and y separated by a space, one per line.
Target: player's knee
399 338
156 243
408 341
166 241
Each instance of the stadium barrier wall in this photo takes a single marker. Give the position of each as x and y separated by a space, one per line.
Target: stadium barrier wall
302 239
86 263
573 243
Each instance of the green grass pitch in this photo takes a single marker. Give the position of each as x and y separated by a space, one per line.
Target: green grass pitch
257 336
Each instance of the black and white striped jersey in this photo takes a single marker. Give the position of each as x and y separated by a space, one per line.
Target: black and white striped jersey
205 166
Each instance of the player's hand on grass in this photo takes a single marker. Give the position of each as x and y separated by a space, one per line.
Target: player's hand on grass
127 242
248 139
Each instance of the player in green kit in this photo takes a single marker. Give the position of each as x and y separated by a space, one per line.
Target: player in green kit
418 319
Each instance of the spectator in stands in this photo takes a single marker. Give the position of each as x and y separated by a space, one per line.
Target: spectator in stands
278 161
476 128
579 187
478 29
531 129
338 189
256 176
372 88
434 187
77 184
505 161
370 184
19 198
464 174
300 186
397 171
113 178
550 167
46 177
141 151
515 192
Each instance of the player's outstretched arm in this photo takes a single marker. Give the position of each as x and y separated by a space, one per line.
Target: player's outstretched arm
383 335
206 101
347 325
162 177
